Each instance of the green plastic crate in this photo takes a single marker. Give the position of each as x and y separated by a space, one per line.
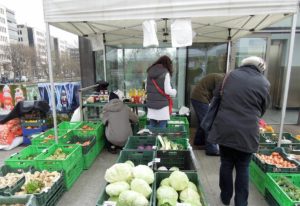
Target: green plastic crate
73 174
41 139
272 168
97 129
258 177
28 200
134 141
277 192
74 154
90 157
12 189
81 137
181 159
56 197
182 141
179 131
177 121
193 177
68 125
137 157
104 197
142 121
19 159
269 140
43 197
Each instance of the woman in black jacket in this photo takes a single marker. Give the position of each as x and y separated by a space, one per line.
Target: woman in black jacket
244 100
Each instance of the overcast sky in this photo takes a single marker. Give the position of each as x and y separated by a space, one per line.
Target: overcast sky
30 12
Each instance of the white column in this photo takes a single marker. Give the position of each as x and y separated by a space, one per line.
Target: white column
53 105
287 78
104 62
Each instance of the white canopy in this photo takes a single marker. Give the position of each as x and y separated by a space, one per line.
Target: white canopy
121 20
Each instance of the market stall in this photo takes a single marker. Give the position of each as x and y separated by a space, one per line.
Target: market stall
154 163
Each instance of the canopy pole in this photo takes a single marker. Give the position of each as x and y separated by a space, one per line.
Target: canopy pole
287 78
53 105
228 50
104 57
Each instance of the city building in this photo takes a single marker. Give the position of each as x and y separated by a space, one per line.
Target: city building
4 39
34 38
12 26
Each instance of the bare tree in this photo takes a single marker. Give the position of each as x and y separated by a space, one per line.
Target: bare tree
23 60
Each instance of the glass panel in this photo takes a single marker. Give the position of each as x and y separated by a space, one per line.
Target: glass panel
99 65
246 47
204 59
127 68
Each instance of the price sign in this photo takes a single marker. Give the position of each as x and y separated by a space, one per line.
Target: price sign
109 203
150 164
157 160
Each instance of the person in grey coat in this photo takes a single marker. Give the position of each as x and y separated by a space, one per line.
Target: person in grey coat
245 99
117 117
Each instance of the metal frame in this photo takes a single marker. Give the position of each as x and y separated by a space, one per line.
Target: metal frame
288 75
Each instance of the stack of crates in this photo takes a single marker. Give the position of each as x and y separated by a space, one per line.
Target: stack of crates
44 198
265 177
33 123
147 150
72 165
178 121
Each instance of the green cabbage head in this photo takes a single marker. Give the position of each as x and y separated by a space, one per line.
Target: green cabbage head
141 186
114 189
179 180
190 196
166 196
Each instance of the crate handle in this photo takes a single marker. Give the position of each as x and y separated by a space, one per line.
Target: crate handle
173 152
14 154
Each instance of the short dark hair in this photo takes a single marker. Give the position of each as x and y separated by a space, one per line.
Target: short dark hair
166 62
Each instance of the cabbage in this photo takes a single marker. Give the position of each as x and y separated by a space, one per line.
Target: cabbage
130 163
114 189
162 168
141 186
118 172
132 198
165 182
192 186
174 169
190 196
179 180
166 196
144 172
113 199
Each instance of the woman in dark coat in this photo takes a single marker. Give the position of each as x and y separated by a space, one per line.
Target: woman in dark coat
245 99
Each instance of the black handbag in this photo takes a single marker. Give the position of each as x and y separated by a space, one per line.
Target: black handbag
213 109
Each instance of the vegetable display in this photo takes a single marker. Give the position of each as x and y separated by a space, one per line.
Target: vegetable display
10 179
38 182
86 127
276 159
58 155
129 185
163 168
167 144
145 147
289 188
177 187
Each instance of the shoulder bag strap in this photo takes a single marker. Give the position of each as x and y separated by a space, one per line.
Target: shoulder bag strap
164 94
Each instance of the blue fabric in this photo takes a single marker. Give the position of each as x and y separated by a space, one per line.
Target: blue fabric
231 158
157 123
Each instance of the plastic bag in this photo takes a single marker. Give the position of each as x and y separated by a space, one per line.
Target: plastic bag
149 30
181 33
